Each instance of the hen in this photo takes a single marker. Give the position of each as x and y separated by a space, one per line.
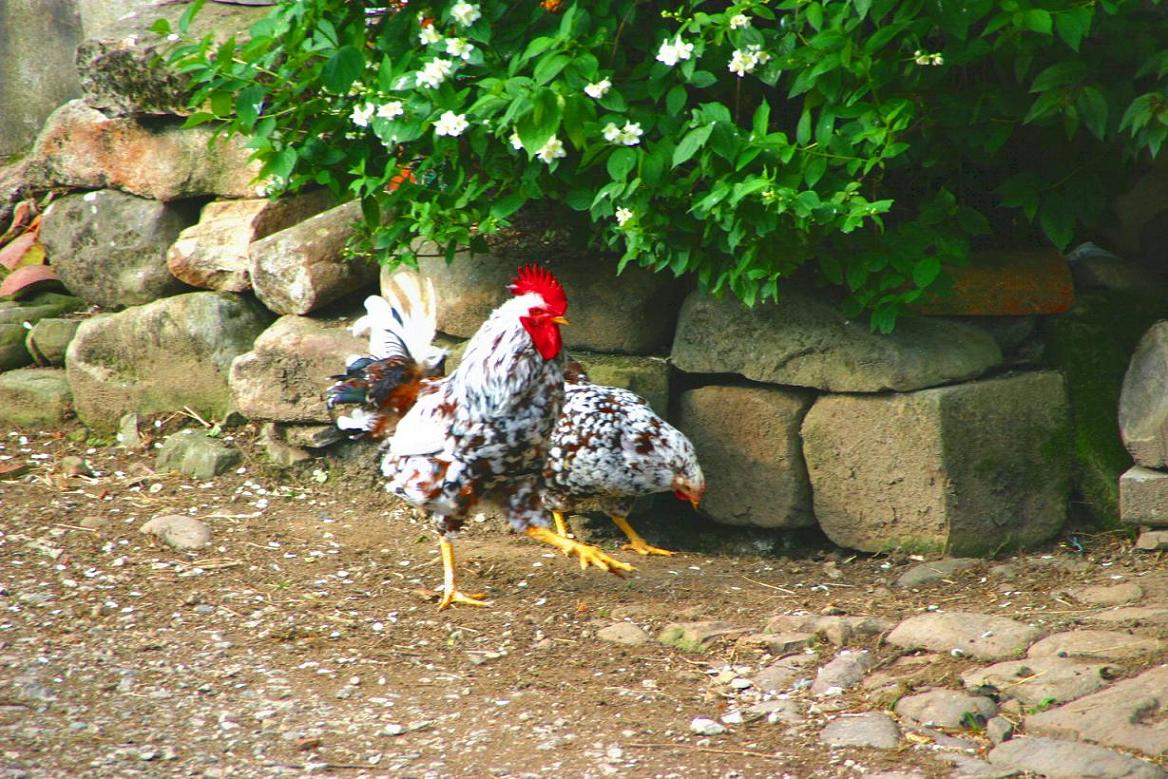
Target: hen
608 448
481 432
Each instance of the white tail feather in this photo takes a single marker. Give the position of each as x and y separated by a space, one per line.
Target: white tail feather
413 296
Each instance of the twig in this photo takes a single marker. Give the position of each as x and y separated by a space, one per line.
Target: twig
696 748
190 412
76 527
770 586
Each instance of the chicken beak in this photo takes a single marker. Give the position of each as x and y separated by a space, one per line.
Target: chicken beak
695 502
561 320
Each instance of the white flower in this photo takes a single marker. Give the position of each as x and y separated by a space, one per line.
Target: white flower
761 56
738 21
630 134
465 13
623 215
451 124
459 47
434 72
925 58
611 132
516 143
742 62
552 150
428 35
672 52
390 110
362 114
599 89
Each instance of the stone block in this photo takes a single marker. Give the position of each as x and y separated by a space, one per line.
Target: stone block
82 148
805 341
747 441
646 376
285 375
304 267
160 357
1143 404
34 397
213 254
1143 497
966 470
633 313
109 248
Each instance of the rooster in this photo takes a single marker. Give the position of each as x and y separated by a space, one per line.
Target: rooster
607 449
481 432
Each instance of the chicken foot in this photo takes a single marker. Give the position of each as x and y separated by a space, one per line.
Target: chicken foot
450 592
636 543
588 555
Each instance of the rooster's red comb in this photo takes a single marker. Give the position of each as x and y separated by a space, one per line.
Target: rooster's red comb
536 278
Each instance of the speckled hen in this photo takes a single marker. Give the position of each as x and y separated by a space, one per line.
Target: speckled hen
608 448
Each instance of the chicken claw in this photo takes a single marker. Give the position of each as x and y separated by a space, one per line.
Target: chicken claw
588 555
636 543
450 593
562 525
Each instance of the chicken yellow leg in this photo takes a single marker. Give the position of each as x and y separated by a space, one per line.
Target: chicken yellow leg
636 543
561 524
450 593
588 555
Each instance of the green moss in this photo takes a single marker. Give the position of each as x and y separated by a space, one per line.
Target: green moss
1092 345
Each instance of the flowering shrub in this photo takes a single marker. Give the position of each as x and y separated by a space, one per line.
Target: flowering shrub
735 141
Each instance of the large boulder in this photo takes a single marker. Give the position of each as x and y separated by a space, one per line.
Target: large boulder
1143 497
304 267
966 470
805 341
1143 403
160 357
213 254
82 148
1092 346
633 313
36 72
109 248
284 375
747 441
32 397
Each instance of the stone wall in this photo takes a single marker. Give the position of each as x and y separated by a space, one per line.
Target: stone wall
185 291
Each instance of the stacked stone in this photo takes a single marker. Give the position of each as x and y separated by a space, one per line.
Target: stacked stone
916 440
168 237
1143 424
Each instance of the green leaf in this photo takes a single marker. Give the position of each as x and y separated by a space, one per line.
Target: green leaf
693 141
702 79
248 105
675 99
620 162
926 271
1093 108
1073 24
222 104
549 67
1059 74
1037 20
507 205
283 163
816 167
803 129
760 122
342 69
184 21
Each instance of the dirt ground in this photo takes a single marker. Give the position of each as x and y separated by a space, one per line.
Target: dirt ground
301 640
